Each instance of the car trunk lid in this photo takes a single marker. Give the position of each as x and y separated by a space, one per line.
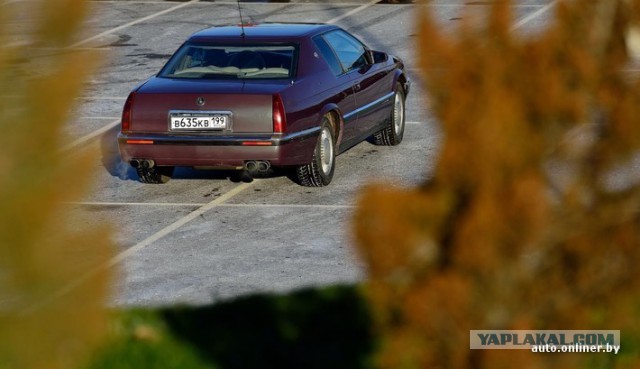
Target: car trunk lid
249 104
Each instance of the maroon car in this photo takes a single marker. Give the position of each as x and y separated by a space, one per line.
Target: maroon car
261 96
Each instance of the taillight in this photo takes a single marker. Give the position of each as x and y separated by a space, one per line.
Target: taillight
279 117
126 113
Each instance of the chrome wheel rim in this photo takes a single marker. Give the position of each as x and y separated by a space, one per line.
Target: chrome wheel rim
326 150
398 114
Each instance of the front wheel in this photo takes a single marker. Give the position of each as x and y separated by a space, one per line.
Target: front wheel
155 175
393 132
319 171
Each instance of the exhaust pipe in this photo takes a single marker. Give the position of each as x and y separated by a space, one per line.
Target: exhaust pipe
142 163
263 166
146 164
257 166
251 166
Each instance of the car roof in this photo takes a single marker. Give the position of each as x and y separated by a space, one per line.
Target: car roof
263 31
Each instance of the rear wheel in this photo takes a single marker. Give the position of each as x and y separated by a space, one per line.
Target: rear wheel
155 175
319 171
393 132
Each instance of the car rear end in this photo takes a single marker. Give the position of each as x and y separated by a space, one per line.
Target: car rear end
215 106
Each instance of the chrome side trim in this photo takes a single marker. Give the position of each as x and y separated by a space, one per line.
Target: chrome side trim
369 105
235 140
299 135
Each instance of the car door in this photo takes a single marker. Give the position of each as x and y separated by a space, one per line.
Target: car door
372 84
345 91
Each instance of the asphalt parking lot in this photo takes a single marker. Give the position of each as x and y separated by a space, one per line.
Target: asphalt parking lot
202 237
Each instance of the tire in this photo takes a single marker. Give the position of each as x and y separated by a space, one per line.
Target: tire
319 171
155 175
393 132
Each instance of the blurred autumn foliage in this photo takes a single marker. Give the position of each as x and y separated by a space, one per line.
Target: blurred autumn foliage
531 219
42 323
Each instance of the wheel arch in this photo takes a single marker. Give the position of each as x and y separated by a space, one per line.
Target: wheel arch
336 121
401 78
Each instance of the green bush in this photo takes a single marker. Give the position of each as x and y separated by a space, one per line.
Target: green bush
313 328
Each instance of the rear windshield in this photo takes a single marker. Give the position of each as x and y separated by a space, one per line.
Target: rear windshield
208 61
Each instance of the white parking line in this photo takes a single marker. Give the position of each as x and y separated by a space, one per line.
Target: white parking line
232 3
127 25
101 98
177 224
162 204
90 136
131 2
294 206
54 50
352 12
468 4
267 3
534 15
136 248
98 118
302 3
117 204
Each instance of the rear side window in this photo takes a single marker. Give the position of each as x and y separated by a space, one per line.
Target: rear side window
214 61
328 55
350 51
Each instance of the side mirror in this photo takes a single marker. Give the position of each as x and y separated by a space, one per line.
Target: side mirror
379 57
370 57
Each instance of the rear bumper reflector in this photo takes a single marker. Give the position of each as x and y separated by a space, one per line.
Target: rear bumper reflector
257 143
140 142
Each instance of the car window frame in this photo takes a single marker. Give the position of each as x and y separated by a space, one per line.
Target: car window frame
294 68
315 39
348 35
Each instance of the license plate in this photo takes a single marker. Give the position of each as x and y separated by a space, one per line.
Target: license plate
198 121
